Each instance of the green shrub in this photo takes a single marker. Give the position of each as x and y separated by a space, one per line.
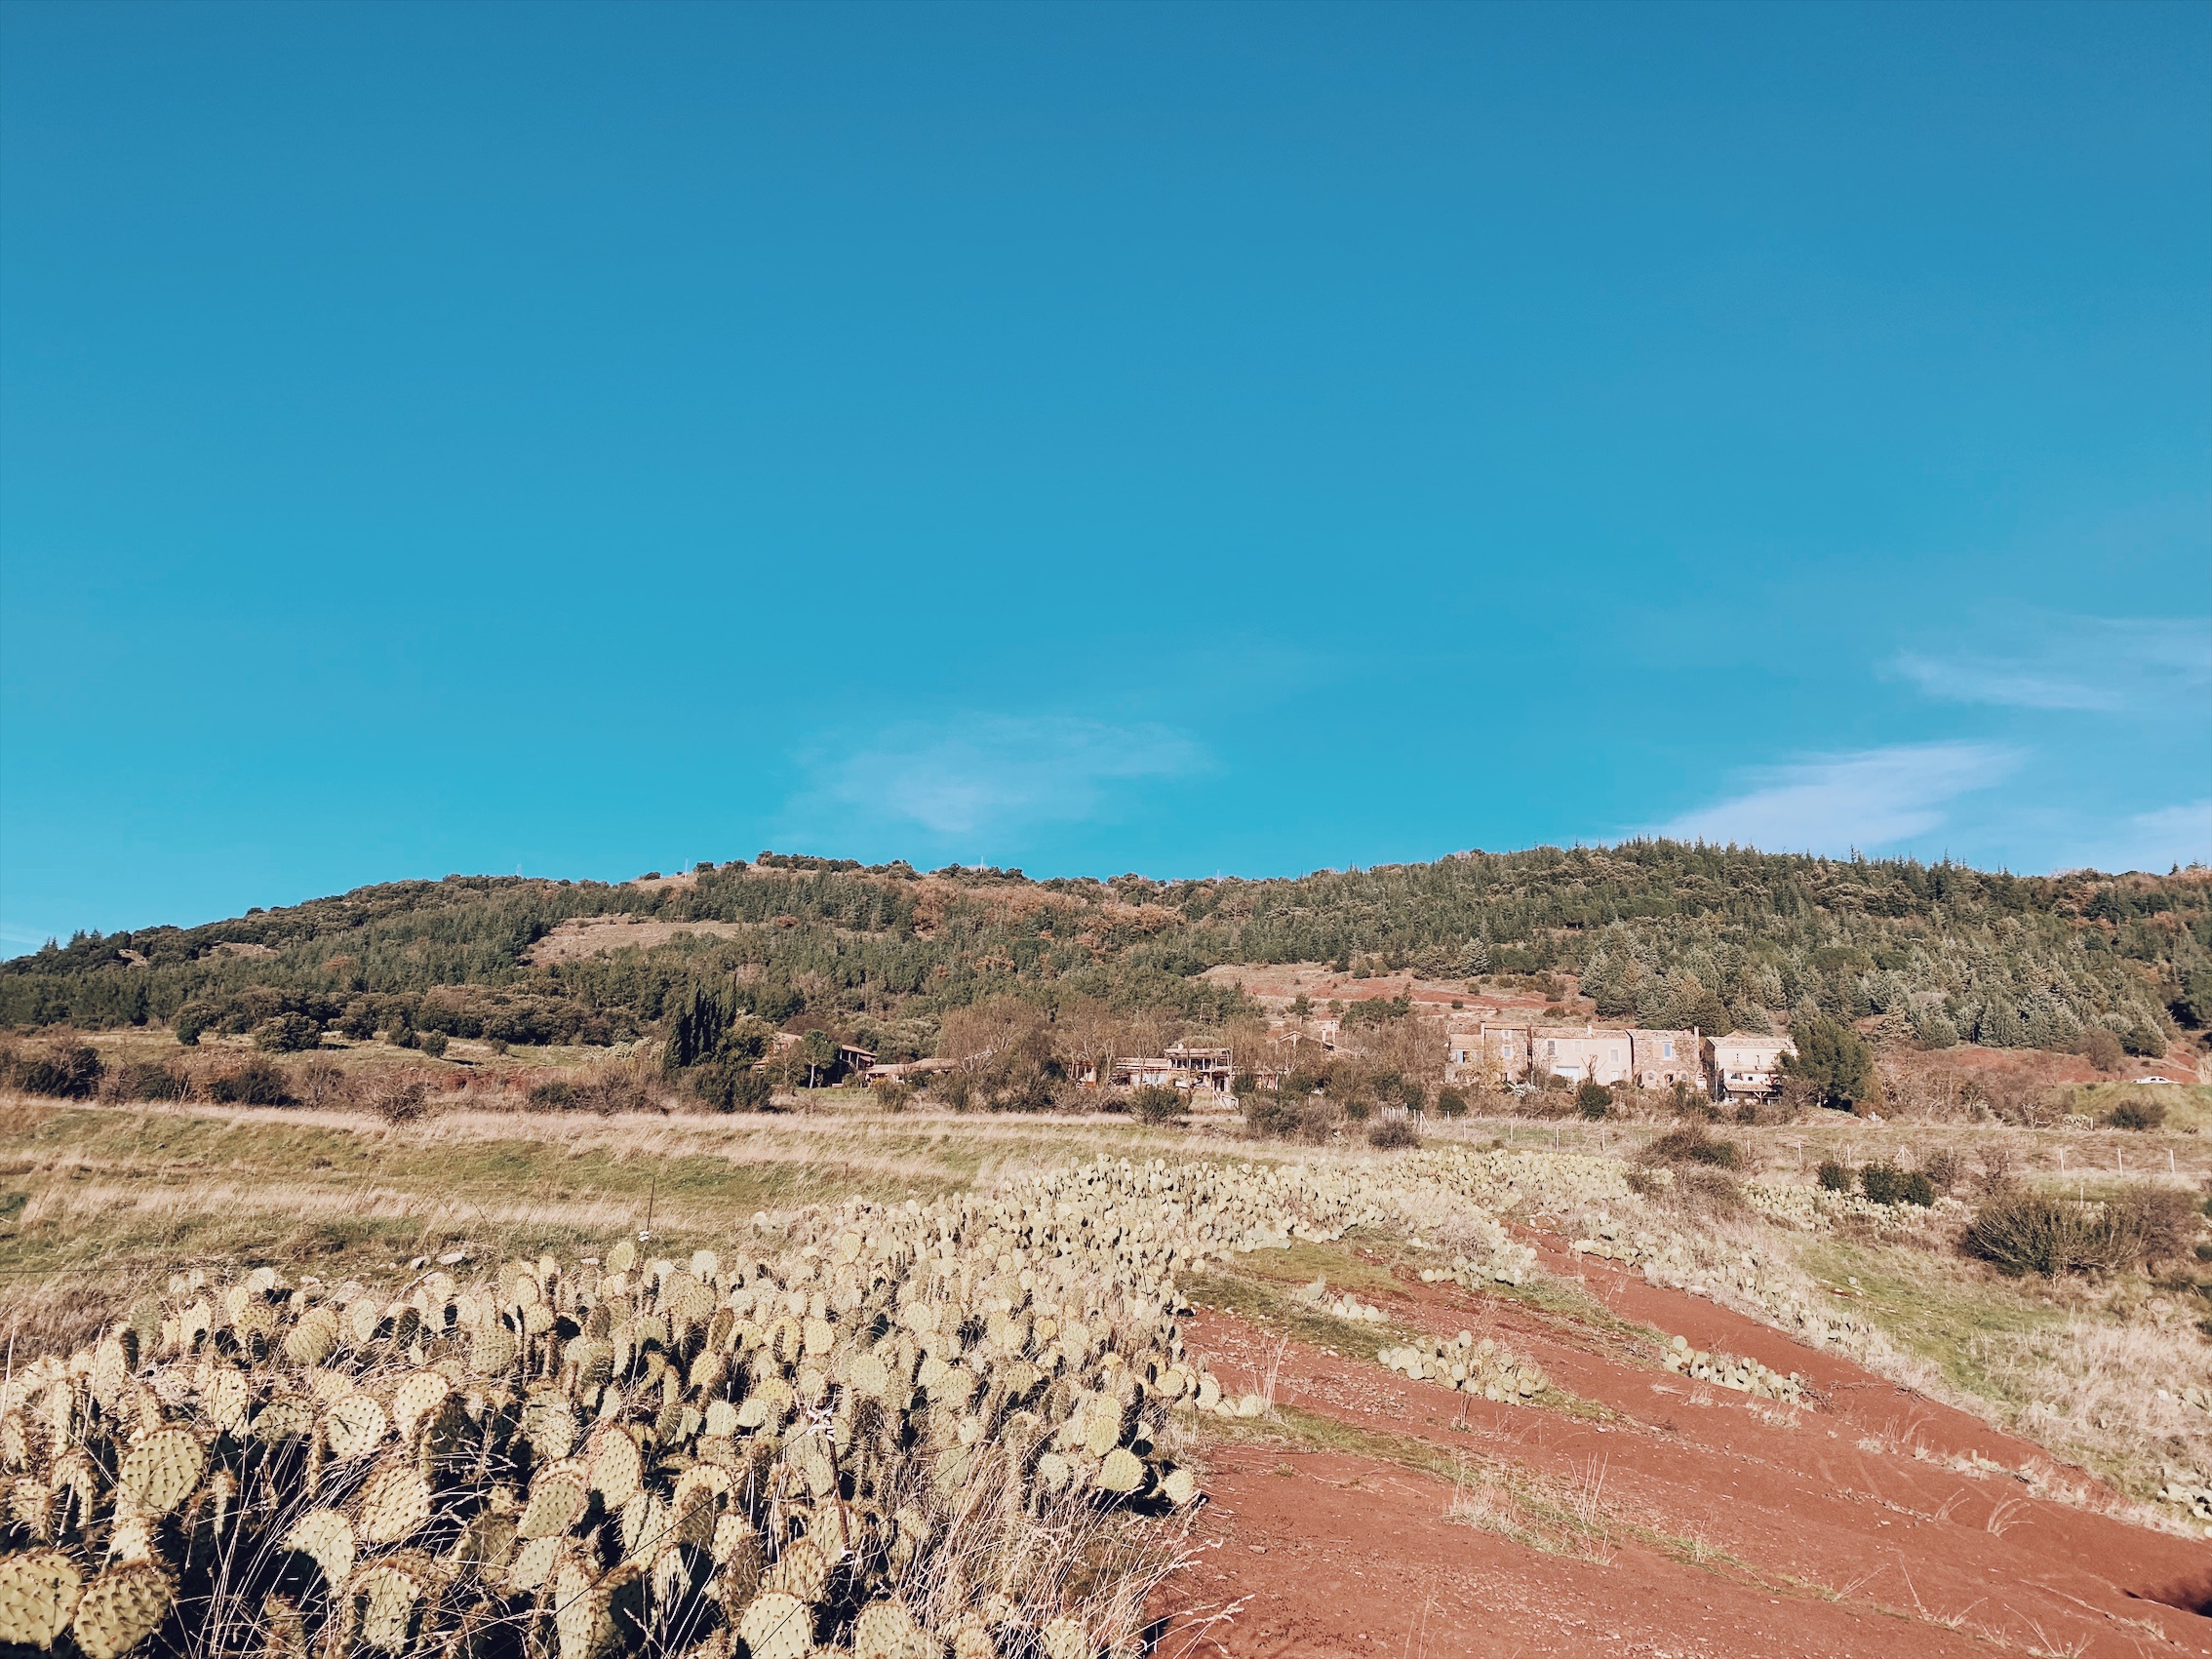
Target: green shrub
1391 1134
1154 1103
287 1033
2021 1231
1593 1100
729 1080
190 1021
554 1094
149 1079
1692 1143
1836 1178
1885 1183
257 1083
1450 1102
2136 1114
70 1072
1285 1116
434 1044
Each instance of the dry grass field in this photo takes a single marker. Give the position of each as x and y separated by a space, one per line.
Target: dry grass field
2004 1423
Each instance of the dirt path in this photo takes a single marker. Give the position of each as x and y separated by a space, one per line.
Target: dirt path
1670 1517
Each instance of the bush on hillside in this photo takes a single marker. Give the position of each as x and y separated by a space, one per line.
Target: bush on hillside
2136 1114
1944 1167
2020 1231
287 1033
1698 1189
68 1070
1593 1100
604 1089
1286 1116
399 1100
1450 1102
1154 1103
2101 1049
1693 1143
1836 1178
257 1083
149 1079
1885 1183
1393 1133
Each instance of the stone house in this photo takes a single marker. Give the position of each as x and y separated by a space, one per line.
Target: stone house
1665 1059
1610 1055
1745 1066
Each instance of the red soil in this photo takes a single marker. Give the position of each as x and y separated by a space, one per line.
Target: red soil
1732 1526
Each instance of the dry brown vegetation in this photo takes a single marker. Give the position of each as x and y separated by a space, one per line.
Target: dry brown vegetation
391 1167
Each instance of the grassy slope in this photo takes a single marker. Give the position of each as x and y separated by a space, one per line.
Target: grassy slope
96 1203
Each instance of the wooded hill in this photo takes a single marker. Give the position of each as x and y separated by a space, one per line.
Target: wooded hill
1665 932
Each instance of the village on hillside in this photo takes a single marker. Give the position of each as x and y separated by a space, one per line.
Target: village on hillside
1495 1042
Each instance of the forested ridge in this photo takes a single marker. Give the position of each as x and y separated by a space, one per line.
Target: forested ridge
1664 931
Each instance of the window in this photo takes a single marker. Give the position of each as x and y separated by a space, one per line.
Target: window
1667 1052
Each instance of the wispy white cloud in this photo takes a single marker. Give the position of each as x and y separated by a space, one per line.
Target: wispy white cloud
2154 841
2094 665
991 774
1871 798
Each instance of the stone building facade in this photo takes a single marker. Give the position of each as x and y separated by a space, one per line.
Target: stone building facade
1502 1055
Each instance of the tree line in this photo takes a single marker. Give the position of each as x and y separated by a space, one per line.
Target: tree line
1667 933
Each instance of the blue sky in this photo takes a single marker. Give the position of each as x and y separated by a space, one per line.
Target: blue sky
1181 439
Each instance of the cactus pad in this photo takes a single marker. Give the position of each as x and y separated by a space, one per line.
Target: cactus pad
354 1426
885 1629
801 1571
493 1349
617 1467
556 1503
389 1595
1122 1473
326 1538
38 1591
314 1339
161 1470
777 1625
394 1502
283 1418
121 1609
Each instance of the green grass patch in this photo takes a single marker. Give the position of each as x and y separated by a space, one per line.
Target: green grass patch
1306 1261
1941 1310
2189 1106
1263 1302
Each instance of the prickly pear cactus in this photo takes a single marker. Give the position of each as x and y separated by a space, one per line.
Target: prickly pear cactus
38 1593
